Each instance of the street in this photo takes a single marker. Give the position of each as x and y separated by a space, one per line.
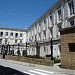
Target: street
12 68
9 71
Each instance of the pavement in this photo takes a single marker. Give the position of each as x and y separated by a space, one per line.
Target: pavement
53 69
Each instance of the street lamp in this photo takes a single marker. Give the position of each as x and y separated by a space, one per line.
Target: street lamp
26 49
18 52
3 51
51 41
13 50
8 48
37 48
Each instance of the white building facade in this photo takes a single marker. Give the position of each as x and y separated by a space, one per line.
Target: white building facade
60 15
12 37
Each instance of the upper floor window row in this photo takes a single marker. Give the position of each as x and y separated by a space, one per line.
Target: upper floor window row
11 34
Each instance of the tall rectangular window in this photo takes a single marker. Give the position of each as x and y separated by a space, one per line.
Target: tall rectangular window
16 41
59 15
35 37
58 30
71 7
20 41
6 34
1 34
51 20
71 23
45 21
11 34
39 36
16 35
20 34
44 33
6 41
0 41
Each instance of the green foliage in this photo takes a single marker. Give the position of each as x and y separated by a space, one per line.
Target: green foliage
34 56
56 60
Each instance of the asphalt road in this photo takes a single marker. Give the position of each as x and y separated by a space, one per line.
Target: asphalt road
12 68
10 71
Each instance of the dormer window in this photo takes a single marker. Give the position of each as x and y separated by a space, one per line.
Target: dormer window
71 7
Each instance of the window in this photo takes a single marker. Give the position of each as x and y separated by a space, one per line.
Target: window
72 23
59 14
44 33
58 30
44 49
32 37
51 20
39 27
11 34
71 47
50 33
45 21
16 35
39 36
6 34
35 37
6 40
20 34
20 41
1 34
16 41
0 41
71 7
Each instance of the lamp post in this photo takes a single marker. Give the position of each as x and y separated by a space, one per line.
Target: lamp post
37 48
3 51
18 52
13 50
51 49
26 49
8 48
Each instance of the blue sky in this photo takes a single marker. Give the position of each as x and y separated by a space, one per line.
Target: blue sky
22 13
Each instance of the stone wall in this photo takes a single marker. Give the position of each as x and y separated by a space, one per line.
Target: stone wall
67 57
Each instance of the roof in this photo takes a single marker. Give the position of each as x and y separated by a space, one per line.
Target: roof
13 29
45 14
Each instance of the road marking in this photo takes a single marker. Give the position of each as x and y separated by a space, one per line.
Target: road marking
28 73
44 71
37 72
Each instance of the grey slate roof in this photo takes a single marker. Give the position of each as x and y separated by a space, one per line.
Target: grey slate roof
13 29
